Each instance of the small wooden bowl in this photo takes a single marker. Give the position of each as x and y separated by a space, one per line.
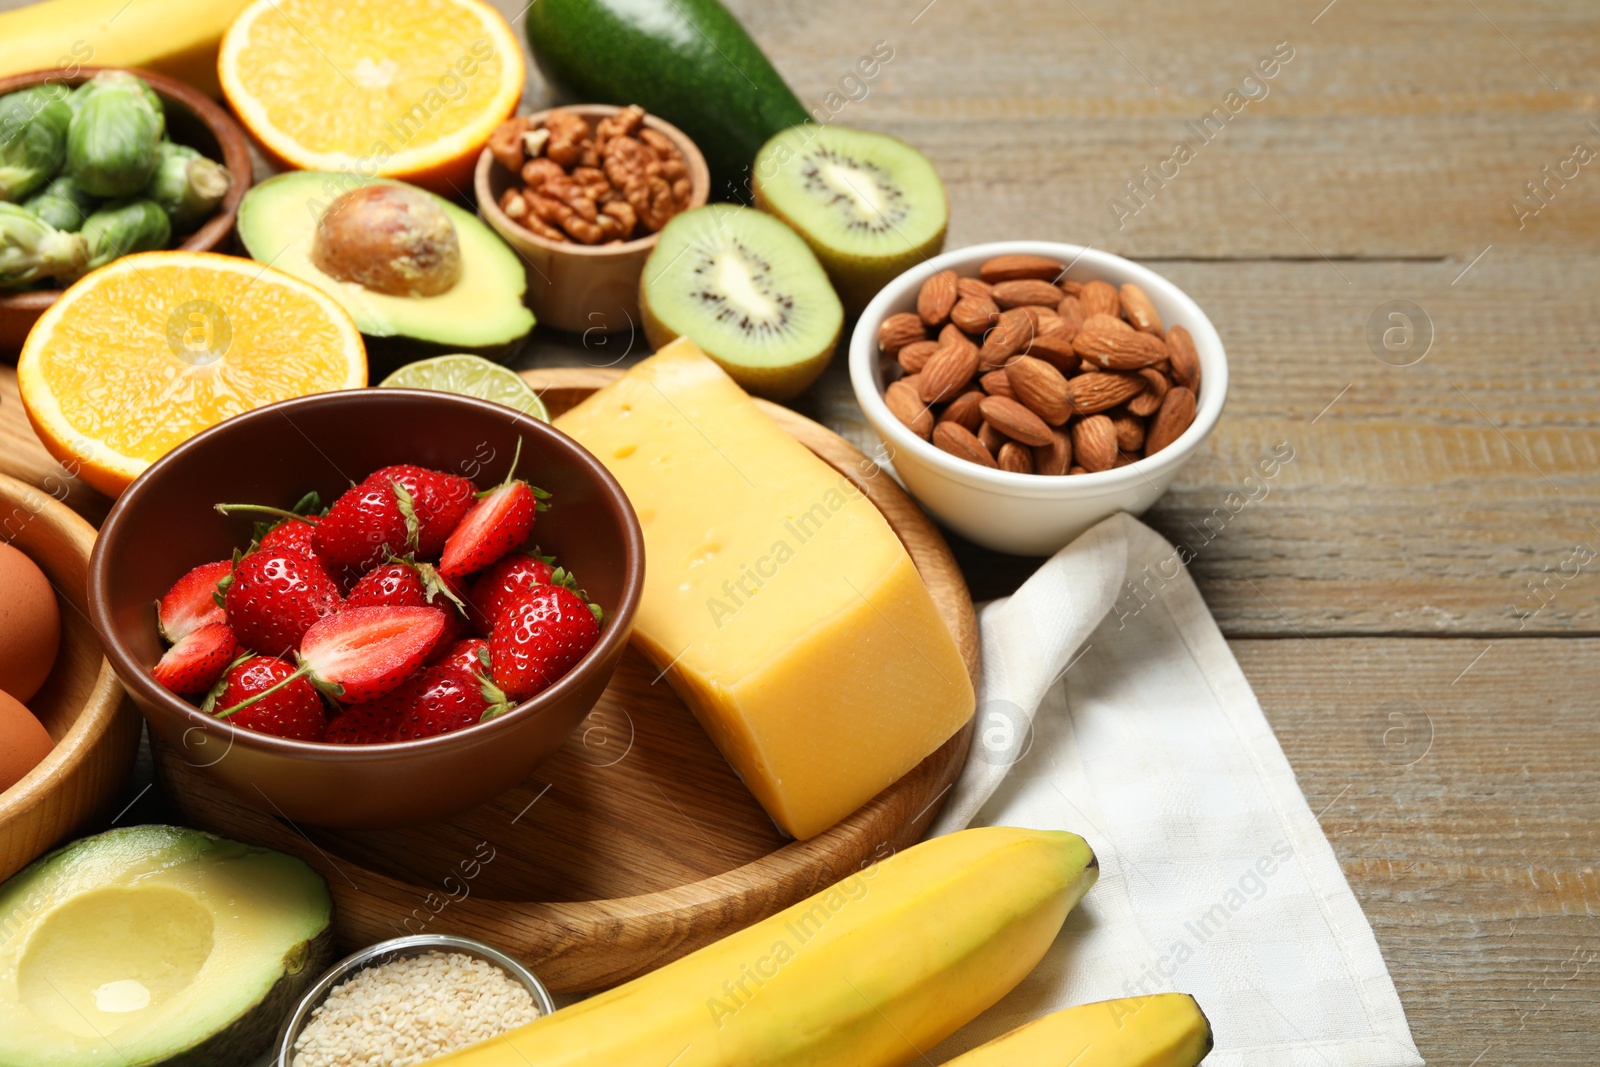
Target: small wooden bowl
82 705
193 119
576 287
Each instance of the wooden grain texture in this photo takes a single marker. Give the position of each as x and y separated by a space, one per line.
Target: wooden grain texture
636 843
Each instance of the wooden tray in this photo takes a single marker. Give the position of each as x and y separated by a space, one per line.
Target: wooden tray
636 844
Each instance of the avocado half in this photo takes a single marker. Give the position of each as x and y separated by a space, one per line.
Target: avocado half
482 313
156 945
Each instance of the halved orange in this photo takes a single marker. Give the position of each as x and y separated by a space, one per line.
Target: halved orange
372 87
141 355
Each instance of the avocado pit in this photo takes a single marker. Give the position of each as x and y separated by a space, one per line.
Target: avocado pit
391 239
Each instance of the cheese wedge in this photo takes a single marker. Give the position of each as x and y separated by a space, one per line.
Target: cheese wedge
782 606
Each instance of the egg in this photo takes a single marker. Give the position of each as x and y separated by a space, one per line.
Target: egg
23 741
30 625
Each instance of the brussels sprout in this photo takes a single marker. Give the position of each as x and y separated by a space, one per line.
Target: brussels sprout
33 139
123 227
119 79
31 249
62 204
114 140
187 185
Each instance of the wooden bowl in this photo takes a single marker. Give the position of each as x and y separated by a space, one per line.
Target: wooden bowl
165 524
575 287
81 704
636 843
193 119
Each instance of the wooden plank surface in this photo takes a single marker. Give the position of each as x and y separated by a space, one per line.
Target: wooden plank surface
1409 561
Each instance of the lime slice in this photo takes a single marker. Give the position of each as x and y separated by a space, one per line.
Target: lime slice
471 376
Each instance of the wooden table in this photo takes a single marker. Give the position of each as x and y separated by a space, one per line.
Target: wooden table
1407 597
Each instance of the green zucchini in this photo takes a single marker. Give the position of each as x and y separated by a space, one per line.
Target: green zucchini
689 62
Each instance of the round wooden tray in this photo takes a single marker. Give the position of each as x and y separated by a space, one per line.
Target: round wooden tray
634 845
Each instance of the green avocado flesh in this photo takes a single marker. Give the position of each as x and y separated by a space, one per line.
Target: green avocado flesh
156 945
869 205
278 222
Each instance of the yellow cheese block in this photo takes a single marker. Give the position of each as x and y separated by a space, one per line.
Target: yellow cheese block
793 620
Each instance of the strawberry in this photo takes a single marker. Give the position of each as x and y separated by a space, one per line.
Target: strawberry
467 654
274 597
444 699
402 583
438 499
264 694
370 522
501 520
540 638
192 603
507 581
372 723
193 665
294 535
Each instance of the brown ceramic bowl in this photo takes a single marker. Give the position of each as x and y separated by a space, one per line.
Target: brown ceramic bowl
576 287
85 711
164 524
193 119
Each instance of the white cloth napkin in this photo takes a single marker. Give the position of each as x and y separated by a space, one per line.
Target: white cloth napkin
1215 878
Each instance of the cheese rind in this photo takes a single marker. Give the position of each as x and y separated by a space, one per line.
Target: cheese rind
787 612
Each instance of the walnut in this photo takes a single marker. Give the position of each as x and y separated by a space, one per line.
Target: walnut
505 143
567 134
624 123
623 212
513 204
536 172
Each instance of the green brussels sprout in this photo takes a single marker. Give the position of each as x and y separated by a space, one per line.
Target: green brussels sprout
32 249
119 79
114 140
33 139
123 227
187 185
62 204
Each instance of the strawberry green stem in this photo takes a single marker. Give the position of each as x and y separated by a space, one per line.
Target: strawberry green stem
260 509
300 673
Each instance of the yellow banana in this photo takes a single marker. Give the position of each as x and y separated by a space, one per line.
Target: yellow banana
176 37
1165 1030
868 973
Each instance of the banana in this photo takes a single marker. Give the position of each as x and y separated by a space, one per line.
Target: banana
1165 1030
889 961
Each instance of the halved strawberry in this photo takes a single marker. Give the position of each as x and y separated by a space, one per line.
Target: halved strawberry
438 499
275 596
445 699
505 582
192 602
541 637
193 665
369 523
501 520
266 694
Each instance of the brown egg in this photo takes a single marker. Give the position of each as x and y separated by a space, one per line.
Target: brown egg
23 741
30 625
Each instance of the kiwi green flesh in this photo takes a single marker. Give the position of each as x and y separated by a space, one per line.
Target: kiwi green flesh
747 290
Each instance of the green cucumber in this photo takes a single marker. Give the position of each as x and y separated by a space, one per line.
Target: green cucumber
689 62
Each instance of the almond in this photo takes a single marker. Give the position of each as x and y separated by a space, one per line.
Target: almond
1014 420
1070 287
1156 385
964 410
1023 291
936 297
952 332
959 441
1185 360
897 331
990 437
1071 310
914 356
974 287
908 407
1095 391
1041 388
1175 416
1112 344
1078 470
1056 349
1056 457
948 371
1094 443
974 314
995 383
1130 431
1125 458
1017 459
1100 298
1048 324
1012 268
1140 311
1007 337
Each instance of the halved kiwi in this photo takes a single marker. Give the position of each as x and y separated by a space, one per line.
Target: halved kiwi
869 205
747 290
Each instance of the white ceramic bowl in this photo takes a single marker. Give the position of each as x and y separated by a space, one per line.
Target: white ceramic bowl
1030 514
